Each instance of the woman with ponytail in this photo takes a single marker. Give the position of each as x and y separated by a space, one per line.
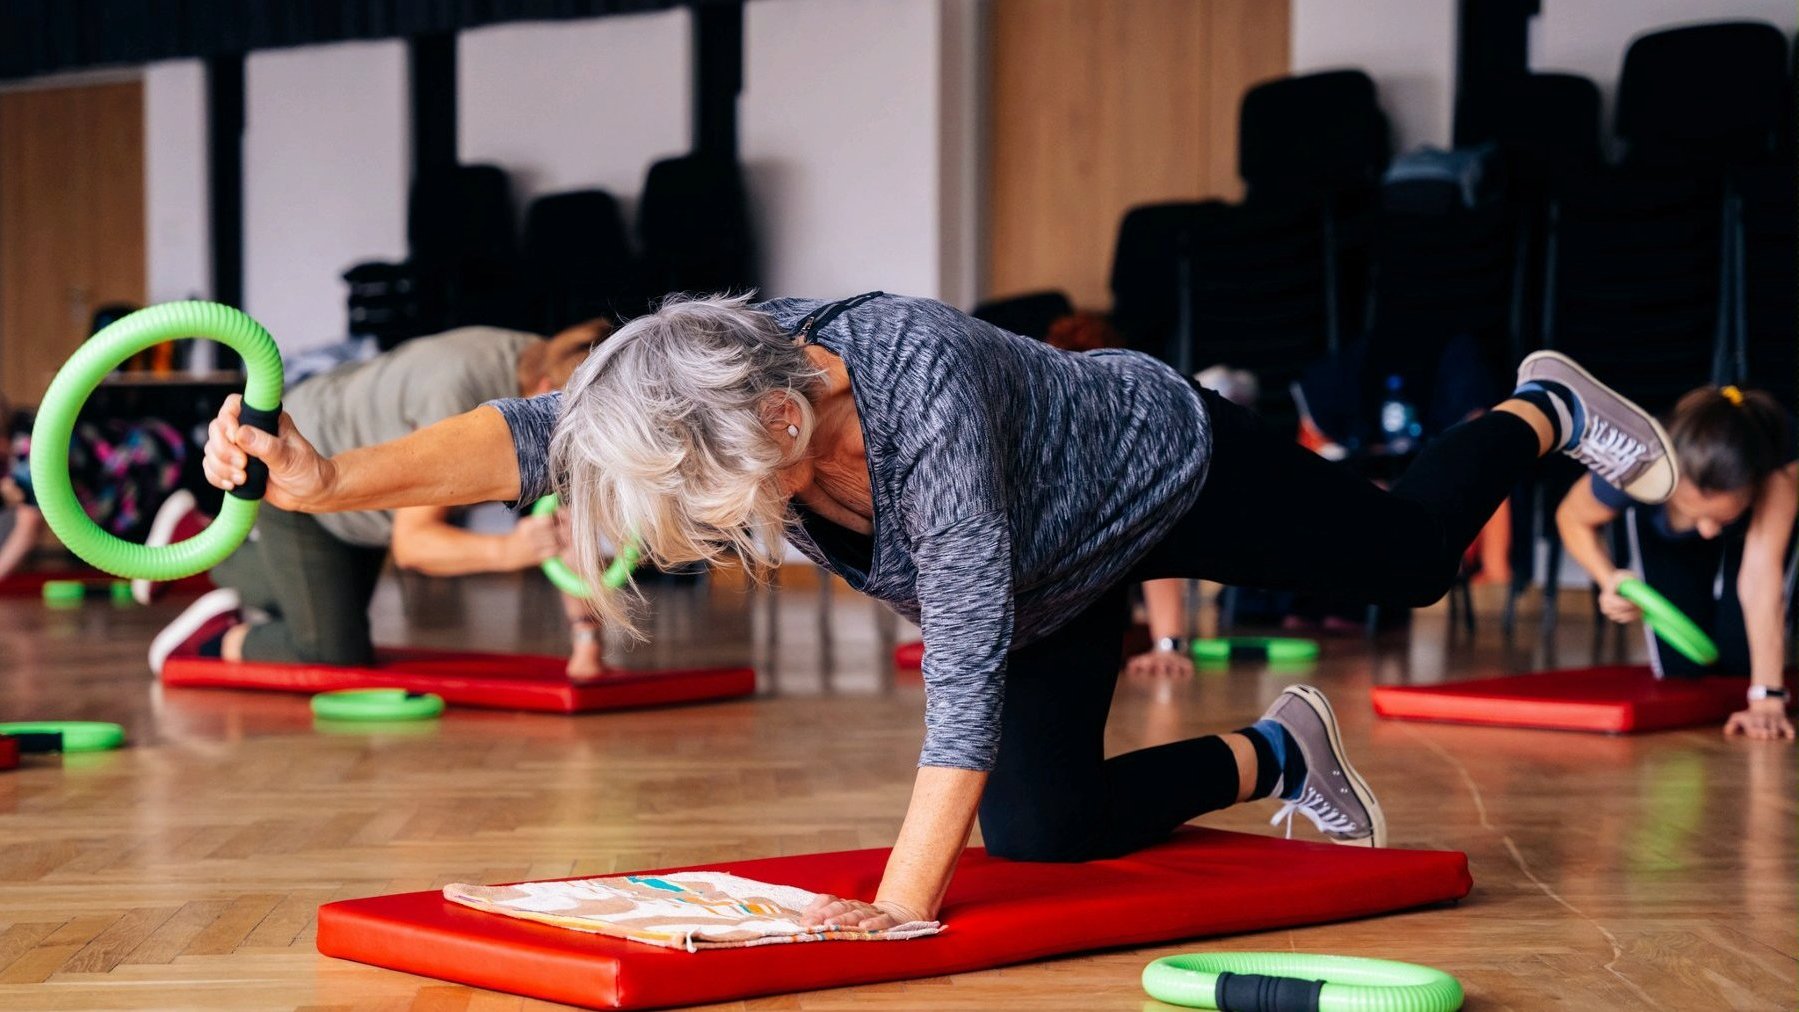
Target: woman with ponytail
1717 549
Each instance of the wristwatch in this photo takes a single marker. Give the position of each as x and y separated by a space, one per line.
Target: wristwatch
1172 644
1760 692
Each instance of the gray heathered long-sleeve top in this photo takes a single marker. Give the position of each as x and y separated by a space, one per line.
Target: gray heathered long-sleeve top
1013 484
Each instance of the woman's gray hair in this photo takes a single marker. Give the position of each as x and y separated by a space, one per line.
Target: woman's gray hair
664 441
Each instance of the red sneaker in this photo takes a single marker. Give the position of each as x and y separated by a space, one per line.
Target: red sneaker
177 519
206 619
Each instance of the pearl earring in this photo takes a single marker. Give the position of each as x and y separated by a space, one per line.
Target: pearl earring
793 432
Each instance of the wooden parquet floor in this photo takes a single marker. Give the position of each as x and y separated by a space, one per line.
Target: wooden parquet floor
183 872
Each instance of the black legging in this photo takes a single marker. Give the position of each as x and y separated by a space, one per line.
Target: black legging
1271 514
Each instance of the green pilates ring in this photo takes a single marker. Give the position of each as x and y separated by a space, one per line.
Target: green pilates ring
76 382
64 591
1278 649
1669 623
1281 981
72 592
617 574
77 735
377 704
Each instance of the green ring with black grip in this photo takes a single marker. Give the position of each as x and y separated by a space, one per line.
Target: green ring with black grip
1297 982
77 380
1275 649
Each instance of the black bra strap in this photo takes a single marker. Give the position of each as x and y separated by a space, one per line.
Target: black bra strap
811 325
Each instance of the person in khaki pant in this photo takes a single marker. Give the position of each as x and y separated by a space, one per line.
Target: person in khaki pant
299 588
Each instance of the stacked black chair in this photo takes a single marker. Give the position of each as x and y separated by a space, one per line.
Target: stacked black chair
1278 279
1634 281
1766 312
460 227
1547 131
384 302
1442 267
578 261
1274 282
1642 279
1152 275
1704 97
693 226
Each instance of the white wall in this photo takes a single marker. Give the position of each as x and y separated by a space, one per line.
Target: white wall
840 136
1588 37
1407 46
577 104
326 162
177 247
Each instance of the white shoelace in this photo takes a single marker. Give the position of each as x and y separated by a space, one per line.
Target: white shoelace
1608 450
1314 805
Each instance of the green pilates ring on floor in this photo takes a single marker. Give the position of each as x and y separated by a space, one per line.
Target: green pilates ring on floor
617 574
1284 981
73 592
1278 649
76 381
77 735
1669 623
376 704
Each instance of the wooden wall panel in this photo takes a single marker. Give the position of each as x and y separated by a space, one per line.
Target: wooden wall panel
1097 105
71 221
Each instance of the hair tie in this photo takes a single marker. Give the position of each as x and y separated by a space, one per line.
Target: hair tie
1733 395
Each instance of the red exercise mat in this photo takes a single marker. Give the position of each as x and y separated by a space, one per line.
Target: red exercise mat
31 582
1616 700
500 681
9 752
1201 882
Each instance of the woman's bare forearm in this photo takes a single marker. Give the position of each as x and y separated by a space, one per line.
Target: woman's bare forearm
468 458
1578 520
1166 603
1761 579
938 821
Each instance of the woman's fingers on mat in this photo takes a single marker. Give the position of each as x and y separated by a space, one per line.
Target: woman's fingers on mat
1159 665
1759 726
840 913
825 909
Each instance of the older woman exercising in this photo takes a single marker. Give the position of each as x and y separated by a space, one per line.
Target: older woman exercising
1003 494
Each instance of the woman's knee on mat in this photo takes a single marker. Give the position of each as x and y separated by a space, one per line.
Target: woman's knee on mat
1046 825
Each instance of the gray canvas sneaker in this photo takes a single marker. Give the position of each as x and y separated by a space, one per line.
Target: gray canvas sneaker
1333 796
1620 442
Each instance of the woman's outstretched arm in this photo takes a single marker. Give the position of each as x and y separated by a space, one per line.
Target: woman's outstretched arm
1579 519
467 458
1762 591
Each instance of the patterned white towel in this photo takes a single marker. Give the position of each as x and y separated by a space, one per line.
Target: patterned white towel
689 910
